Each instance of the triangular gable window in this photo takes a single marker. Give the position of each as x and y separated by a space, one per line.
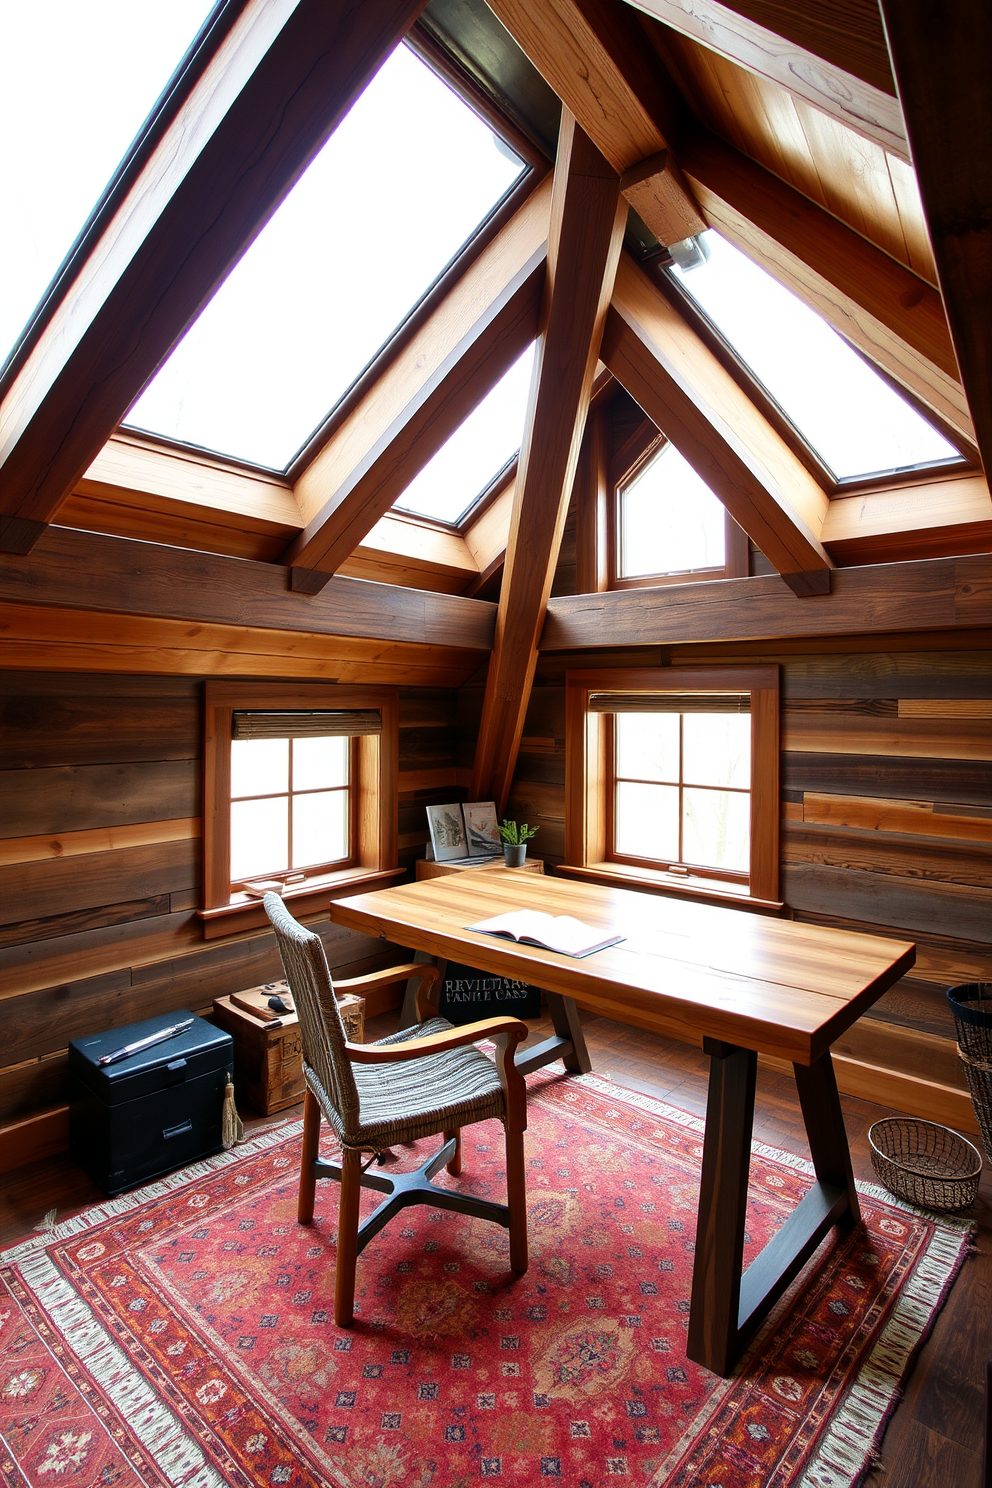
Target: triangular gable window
473 458
849 415
76 83
405 180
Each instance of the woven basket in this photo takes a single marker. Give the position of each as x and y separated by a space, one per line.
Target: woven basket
971 1004
929 1165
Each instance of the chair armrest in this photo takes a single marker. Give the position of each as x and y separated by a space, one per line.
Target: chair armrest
456 1038
373 979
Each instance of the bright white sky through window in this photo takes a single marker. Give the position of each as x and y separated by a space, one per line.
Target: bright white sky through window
477 451
400 186
77 81
670 521
850 415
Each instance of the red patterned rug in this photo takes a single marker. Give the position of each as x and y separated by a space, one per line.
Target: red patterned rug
183 1336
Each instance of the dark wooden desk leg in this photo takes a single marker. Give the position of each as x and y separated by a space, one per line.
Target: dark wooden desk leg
716 1272
565 1017
826 1132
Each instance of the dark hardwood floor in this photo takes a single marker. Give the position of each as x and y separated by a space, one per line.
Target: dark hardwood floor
934 1439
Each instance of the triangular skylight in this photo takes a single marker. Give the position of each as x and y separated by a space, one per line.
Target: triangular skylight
403 182
481 447
76 83
845 411
669 520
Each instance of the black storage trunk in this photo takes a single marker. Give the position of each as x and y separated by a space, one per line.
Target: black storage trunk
152 1112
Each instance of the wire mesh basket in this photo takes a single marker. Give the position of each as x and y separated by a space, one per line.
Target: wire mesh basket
929 1165
971 1004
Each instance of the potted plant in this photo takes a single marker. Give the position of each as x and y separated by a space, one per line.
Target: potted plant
515 839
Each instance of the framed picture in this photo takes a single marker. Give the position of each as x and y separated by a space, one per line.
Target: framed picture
482 829
447 832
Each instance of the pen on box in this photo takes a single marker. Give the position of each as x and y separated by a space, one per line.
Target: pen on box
145 1043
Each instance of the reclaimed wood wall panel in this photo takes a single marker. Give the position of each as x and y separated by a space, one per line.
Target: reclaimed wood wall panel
886 788
100 862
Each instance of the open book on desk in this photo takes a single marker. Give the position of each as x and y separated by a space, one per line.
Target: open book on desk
552 932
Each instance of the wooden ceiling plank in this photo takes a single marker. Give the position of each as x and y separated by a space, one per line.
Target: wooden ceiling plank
588 219
276 84
940 62
940 593
468 373
593 58
928 519
678 382
796 47
82 569
886 310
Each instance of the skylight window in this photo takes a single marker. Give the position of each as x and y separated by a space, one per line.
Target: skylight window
845 411
669 521
76 84
480 448
404 181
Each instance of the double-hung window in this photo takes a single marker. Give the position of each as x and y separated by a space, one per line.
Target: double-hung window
299 795
672 779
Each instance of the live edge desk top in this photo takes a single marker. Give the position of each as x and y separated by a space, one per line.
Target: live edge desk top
736 982
690 971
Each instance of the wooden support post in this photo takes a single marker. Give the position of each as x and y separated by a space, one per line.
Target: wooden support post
587 223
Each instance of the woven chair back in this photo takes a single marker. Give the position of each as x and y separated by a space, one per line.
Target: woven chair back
324 1035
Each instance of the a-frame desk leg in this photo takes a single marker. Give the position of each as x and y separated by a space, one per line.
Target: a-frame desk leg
726 1307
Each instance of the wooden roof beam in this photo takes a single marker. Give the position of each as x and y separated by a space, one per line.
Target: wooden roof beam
497 338
934 594
831 56
678 382
588 216
265 94
886 310
88 571
593 58
940 60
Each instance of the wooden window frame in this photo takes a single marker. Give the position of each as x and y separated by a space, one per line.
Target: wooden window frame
589 792
373 862
644 446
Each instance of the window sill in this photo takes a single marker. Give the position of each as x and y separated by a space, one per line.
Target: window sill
657 881
303 899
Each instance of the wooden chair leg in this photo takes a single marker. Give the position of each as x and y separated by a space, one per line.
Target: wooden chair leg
516 1198
455 1165
311 1146
344 1275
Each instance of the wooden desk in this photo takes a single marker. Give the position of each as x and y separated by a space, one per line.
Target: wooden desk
734 982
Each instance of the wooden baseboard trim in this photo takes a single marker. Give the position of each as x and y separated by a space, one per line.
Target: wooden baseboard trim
33 1139
901 1092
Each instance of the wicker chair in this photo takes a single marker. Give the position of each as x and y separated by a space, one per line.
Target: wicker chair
422 1082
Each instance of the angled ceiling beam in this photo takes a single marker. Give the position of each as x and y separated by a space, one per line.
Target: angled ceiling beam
886 310
826 54
940 58
269 92
591 55
588 216
504 330
88 571
680 385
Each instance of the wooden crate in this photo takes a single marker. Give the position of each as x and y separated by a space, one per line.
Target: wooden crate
268 1056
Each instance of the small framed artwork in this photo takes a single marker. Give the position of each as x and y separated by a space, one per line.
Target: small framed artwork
482 829
447 832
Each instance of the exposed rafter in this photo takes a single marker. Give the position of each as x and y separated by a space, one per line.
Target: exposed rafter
475 365
681 386
941 59
892 315
587 222
89 571
276 84
590 53
832 61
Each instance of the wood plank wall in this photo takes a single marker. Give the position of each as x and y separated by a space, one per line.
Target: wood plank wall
100 864
886 812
